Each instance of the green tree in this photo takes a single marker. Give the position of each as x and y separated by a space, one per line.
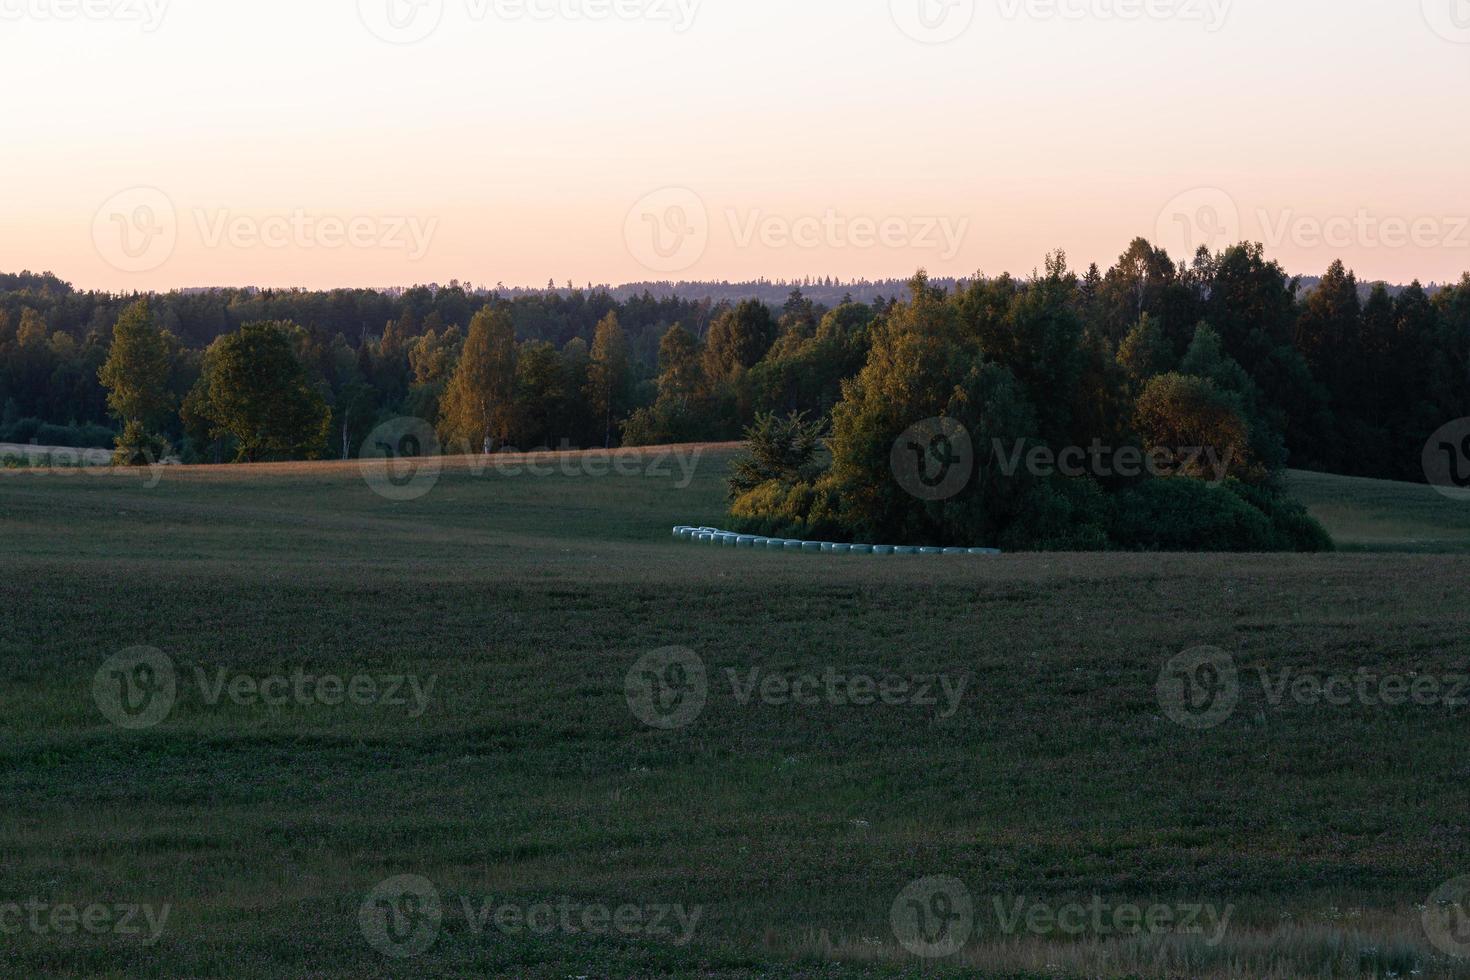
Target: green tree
607 375
925 364
136 376
738 339
1329 327
255 391
679 375
1179 412
479 404
541 395
1146 351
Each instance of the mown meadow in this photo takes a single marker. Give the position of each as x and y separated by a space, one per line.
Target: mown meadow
511 769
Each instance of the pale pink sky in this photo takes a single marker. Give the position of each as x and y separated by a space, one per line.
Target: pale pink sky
163 143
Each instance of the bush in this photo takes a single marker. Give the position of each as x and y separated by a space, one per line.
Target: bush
1294 529
781 449
1180 514
138 447
778 509
1062 515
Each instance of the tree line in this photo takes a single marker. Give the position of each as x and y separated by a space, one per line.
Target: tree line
1345 377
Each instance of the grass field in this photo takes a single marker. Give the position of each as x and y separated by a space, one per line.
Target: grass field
780 838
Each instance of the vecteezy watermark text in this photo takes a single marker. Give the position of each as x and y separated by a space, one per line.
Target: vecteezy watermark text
669 689
402 917
402 460
139 687
148 13
670 229
1202 687
411 21
1212 14
936 917
1212 217
39 917
35 460
410 234
936 459
138 230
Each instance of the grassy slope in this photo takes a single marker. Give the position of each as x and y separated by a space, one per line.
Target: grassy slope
1377 515
528 778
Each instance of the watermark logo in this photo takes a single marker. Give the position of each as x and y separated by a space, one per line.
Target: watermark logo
1199 688
1447 918
667 689
400 459
933 21
1447 460
1204 216
401 21
148 13
136 230
1450 19
668 231
933 459
137 688
401 917
934 917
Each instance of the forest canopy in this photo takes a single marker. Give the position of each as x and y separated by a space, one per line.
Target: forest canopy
1344 376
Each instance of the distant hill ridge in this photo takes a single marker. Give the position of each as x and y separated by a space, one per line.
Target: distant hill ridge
827 291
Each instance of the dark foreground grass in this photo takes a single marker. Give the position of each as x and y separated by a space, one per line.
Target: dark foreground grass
789 830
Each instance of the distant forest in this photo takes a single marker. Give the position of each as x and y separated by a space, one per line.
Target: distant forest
1353 376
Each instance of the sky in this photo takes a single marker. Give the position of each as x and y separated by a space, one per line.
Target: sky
154 144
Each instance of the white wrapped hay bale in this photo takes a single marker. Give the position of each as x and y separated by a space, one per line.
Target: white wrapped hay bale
731 539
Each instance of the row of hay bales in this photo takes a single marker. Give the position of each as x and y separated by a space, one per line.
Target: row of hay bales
729 539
